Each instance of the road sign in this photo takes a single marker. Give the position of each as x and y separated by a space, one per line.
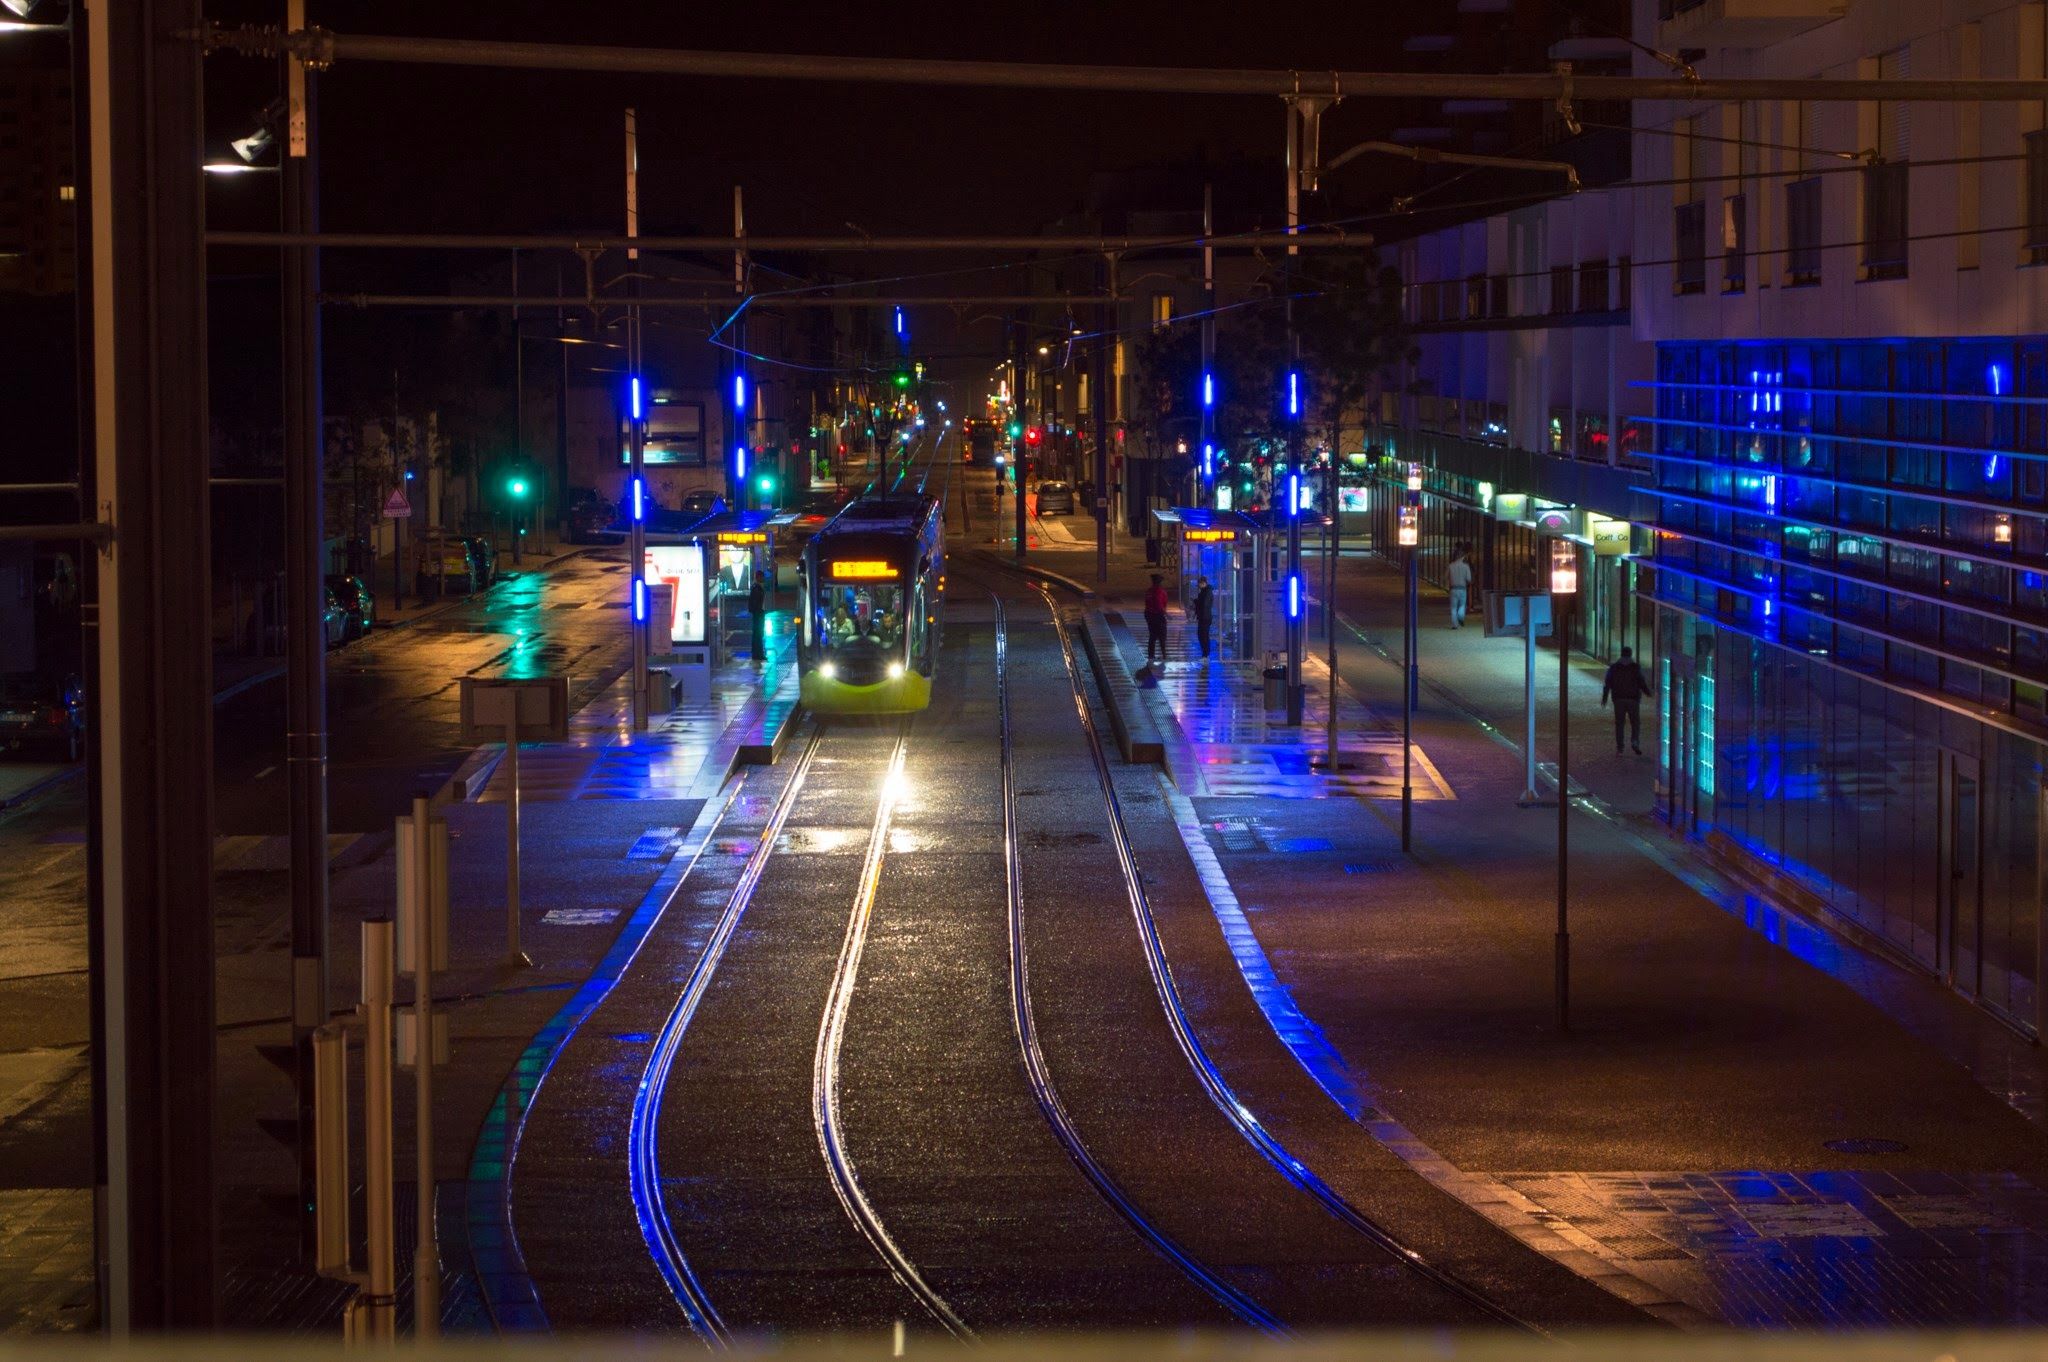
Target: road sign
396 507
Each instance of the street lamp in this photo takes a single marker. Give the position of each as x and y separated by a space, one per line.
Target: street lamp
1564 584
1409 534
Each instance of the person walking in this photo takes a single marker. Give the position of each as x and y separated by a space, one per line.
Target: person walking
1626 686
757 617
1458 576
1155 619
1205 608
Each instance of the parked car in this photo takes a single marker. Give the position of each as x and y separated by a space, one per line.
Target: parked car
483 555
333 620
357 602
592 518
445 568
1055 498
701 503
42 715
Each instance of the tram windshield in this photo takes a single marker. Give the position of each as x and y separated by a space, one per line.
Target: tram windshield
869 616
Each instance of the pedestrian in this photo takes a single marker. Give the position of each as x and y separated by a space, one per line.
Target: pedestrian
757 616
1458 576
1155 619
1205 610
1627 686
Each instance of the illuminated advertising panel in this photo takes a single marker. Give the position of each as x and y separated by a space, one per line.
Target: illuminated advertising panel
681 567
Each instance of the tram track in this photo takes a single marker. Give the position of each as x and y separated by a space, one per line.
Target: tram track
825 1069
1217 1088
1039 1075
644 1124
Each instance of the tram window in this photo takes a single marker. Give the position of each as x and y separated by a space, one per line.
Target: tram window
871 614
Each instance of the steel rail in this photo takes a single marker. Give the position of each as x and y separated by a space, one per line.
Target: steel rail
825 1067
643 1139
1218 1088
1039 1074
323 47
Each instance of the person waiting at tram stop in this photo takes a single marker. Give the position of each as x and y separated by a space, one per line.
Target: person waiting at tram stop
1155 619
1205 612
1626 686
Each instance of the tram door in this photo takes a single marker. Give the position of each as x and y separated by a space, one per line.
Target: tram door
1962 873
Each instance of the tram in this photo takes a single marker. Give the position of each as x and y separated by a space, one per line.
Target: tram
873 583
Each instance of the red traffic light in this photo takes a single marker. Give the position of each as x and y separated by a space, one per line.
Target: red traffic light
1033 435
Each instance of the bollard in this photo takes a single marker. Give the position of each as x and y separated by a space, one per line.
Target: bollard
426 1260
330 1150
380 1326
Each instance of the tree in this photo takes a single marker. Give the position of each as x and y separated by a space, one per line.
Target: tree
1349 341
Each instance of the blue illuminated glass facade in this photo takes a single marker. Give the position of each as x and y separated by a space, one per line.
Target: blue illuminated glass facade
1852 538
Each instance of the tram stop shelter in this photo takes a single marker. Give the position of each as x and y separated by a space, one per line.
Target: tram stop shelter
725 551
1230 549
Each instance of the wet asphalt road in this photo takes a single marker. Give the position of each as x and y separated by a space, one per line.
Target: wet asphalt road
391 721
990 1221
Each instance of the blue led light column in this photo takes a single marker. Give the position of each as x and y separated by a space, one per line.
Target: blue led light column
1292 399
736 481
636 533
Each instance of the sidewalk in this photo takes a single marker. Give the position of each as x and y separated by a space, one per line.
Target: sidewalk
1749 1123
237 671
602 816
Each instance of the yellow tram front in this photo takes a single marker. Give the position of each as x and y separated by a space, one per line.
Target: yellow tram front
869 617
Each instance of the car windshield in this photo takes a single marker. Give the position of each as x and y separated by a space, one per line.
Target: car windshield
857 618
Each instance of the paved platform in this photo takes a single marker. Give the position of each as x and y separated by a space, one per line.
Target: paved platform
600 831
1830 1141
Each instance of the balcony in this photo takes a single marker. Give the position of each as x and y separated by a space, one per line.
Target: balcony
1740 23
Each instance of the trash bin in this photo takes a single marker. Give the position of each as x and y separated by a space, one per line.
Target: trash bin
661 695
1276 687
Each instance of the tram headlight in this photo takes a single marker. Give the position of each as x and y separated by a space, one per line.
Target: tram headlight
895 670
827 670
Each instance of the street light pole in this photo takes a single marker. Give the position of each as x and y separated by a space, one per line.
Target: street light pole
1409 535
1564 584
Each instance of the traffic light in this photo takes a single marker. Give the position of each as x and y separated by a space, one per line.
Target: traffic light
1016 429
902 379
516 487
764 486
1032 436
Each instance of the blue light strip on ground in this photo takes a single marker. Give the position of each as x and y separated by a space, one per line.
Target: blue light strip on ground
1303 1038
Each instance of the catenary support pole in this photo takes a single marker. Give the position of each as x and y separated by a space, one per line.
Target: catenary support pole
515 951
1098 398
1023 417
305 609
636 442
155 664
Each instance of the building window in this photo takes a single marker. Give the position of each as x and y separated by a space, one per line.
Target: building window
1475 297
1734 252
1624 282
1802 232
1689 225
1560 288
1498 303
1884 220
1593 286
2036 244
1162 309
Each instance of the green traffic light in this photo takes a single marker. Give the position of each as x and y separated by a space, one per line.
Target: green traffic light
766 484
517 487
1016 429
903 380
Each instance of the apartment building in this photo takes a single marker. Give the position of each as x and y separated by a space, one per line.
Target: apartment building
1834 366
